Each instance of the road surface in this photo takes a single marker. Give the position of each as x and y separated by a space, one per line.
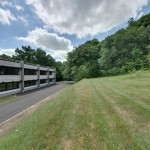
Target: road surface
24 101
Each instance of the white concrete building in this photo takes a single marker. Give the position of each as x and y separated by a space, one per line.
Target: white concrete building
17 77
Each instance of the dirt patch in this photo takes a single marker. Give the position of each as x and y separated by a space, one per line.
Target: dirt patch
67 144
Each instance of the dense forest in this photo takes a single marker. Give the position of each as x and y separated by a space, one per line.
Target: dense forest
125 51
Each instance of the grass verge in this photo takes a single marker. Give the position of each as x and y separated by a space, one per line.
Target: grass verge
103 113
6 98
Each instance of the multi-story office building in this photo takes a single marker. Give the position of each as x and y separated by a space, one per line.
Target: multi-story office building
16 77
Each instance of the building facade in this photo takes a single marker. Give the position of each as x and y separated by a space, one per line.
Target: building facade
17 77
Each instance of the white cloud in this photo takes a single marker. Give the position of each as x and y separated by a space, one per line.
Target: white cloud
59 55
51 41
6 3
19 8
57 46
85 17
6 17
8 52
23 19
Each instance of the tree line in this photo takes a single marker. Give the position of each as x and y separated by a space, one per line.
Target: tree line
125 51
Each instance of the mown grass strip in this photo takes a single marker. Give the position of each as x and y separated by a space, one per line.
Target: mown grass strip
91 114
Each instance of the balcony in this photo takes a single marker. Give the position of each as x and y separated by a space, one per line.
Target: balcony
43 76
30 77
9 78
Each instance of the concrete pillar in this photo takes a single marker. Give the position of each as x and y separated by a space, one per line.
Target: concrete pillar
22 76
48 76
54 75
38 76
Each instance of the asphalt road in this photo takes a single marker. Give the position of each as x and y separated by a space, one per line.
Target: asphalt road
24 101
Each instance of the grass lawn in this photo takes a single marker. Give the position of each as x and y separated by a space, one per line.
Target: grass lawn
98 114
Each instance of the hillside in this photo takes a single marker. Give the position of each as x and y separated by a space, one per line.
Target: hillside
125 51
102 113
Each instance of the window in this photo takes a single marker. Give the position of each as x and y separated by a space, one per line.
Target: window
30 83
9 71
43 72
29 72
9 86
12 71
50 80
2 87
16 85
50 72
42 81
33 82
26 84
2 71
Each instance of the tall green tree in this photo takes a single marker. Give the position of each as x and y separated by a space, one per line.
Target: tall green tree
82 62
6 57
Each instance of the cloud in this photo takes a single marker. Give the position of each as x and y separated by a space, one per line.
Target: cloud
19 8
6 17
8 52
6 3
60 55
23 19
41 37
57 46
85 17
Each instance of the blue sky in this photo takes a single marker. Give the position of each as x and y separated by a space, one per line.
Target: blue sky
57 26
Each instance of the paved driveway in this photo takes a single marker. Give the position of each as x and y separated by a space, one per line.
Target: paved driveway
23 101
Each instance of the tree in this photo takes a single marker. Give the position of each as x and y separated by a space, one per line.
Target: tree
26 54
6 57
83 57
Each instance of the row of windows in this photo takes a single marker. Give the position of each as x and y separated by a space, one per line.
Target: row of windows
29 83
51 80
15 85
42 81
15 71
33 82
30 72
43 72
9 71
34 72
9 86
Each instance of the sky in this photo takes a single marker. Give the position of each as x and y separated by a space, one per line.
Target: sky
57 26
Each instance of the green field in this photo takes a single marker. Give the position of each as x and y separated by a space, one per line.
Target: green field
98 114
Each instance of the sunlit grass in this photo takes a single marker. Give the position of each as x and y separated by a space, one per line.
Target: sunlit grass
103 113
